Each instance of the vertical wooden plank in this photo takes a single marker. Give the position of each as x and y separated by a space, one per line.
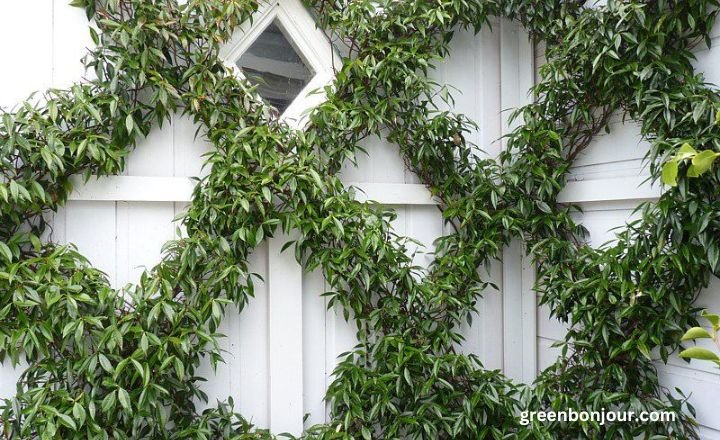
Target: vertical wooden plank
459 71
71 39
221 383
91 227
26 33
153 155
386 162
341 339
314 341
519 314
424 224
188 149
490 120
488 325
484 335
529 321
481 100
55 233
286 334
517 69
9 377
512 254
142 229
519 325
526 79
526 67
122 247
510 75
382 163
150 227
253 348
360 171
513 353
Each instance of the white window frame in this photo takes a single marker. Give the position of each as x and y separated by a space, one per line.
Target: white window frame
309 41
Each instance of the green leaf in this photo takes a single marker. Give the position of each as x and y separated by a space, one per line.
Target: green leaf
67 421
686 151
129 123
6 252
699 353
79 413
696 333
267 194
14 190
79 3
670 173
124 398
317 179
94 112
703 161
108 403
714 319
366 433
644 350
144 343
105 363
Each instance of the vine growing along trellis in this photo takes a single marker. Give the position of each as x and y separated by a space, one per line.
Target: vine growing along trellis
105 363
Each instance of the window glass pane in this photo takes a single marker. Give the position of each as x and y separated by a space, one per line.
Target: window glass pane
273 64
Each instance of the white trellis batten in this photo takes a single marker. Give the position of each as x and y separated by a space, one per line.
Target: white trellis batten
179 189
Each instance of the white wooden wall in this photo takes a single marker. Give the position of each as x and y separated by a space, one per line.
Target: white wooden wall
609 186
283 348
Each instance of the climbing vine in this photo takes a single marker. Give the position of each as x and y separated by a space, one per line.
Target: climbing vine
106 363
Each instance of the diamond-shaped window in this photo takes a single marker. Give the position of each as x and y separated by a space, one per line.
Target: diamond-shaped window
276 67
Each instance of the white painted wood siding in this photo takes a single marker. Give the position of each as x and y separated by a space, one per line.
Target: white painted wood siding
610 183
283 348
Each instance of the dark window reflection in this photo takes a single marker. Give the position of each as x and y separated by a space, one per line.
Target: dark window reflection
273 64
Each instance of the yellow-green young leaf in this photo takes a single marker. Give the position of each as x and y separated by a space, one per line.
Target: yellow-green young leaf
692 171
669 173
686 151
703 161
717 117
714 319
696 333
78 3
699 353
